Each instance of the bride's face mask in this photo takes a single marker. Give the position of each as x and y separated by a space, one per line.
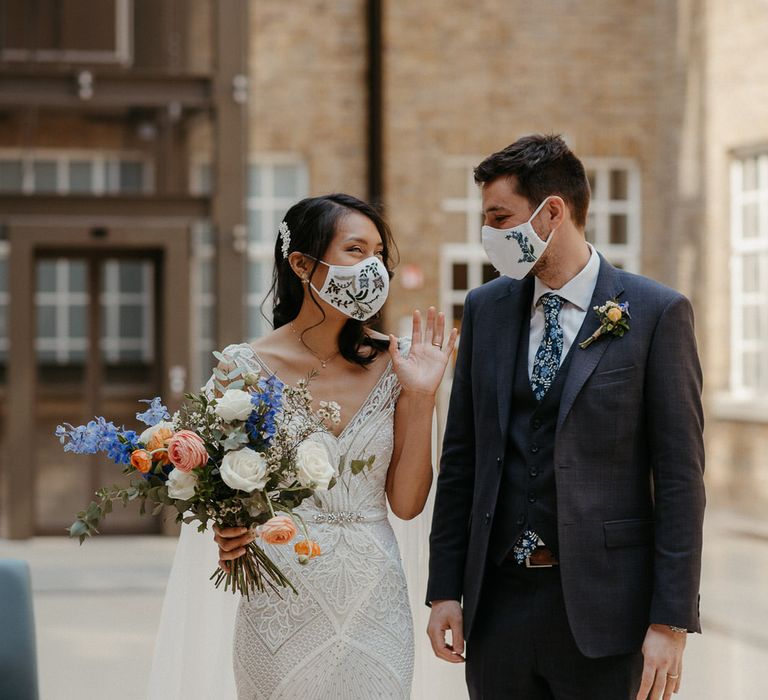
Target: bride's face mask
358 291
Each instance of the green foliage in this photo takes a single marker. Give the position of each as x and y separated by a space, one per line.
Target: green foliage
357 466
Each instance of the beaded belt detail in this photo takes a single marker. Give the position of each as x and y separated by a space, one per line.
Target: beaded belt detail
339 517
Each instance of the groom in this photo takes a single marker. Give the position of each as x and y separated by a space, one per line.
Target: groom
567 531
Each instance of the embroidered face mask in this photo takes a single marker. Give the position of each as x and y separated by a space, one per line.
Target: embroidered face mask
514 251
359 290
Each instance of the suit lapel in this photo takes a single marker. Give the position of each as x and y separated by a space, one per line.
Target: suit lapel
584 362
511 309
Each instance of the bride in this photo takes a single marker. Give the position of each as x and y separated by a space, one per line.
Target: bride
348 633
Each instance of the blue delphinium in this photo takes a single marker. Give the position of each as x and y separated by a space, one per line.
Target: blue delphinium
86 439
155 413
261 426
99 435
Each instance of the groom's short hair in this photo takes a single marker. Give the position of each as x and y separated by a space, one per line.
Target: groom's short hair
542 166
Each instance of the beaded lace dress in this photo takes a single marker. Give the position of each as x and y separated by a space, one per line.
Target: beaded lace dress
348 635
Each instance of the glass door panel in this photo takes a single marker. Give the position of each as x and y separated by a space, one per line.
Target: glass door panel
96 355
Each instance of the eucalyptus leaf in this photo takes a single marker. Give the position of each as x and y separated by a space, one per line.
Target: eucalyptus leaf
236 438
78 529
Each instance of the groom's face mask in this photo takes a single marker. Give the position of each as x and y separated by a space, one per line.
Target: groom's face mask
515 251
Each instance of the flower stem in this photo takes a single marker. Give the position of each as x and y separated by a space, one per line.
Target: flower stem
585 344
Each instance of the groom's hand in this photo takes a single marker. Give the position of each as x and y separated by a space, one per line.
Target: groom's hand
446 615
663 663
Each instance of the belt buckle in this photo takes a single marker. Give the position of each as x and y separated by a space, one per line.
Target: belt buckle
530 565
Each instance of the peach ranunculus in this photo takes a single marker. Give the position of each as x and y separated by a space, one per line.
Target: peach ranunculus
141 460
614 314
186 450
278 530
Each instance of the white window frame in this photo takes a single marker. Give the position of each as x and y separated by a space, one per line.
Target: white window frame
265 206
471 251
123 53
101 161
112 297
742 401
197 167
471 204
112 344
61 344
628 255
203 254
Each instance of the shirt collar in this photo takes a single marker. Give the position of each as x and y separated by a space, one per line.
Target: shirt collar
579 290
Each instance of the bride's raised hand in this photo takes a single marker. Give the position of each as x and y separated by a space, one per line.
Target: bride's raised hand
422 370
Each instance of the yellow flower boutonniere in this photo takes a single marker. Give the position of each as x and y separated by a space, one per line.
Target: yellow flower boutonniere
614 320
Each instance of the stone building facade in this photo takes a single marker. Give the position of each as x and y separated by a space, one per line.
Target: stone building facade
666 103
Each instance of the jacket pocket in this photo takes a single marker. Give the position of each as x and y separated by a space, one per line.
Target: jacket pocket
628 533
613 376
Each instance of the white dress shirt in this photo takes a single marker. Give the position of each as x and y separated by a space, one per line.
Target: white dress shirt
577 294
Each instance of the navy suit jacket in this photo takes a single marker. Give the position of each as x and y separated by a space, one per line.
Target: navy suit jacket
628 458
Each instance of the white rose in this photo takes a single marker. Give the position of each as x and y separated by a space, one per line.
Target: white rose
244 469
313 466
181 484
234 405
146 436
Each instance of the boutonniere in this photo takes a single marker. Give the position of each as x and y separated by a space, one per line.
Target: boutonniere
614 320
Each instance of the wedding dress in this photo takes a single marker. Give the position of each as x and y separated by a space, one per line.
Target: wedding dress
349 634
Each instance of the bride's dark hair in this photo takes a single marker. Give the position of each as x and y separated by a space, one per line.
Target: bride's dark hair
312 224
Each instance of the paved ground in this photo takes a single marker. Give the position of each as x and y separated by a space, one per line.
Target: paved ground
96 608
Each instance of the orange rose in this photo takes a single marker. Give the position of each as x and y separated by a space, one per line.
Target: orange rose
141 460
186 450
307 548
278 530
614 314
161 456
159 438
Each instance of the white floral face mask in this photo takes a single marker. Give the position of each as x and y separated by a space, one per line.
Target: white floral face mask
514 251
359 290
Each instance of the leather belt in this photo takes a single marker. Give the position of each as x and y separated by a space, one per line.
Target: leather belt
540 558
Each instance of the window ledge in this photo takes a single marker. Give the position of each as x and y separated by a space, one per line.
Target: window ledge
727 406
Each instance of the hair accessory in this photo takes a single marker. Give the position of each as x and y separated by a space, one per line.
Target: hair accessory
285 237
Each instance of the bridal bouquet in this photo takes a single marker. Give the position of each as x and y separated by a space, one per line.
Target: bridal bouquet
226 461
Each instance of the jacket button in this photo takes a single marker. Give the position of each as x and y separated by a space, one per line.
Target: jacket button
487 518
535 423
531 499
533 472
534 448
520 519
498 461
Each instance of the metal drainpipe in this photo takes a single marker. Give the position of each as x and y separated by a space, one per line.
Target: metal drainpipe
375 103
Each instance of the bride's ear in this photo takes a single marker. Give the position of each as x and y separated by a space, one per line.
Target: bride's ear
301 265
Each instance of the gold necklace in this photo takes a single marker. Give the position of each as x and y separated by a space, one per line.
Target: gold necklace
323 362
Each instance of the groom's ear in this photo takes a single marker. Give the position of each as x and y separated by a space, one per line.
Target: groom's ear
556 211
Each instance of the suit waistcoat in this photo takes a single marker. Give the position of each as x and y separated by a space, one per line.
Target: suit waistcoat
527 496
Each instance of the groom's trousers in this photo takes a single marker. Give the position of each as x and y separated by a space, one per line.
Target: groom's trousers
521 647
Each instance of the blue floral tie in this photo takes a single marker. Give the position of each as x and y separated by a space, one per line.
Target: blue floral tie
545 367
547 360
